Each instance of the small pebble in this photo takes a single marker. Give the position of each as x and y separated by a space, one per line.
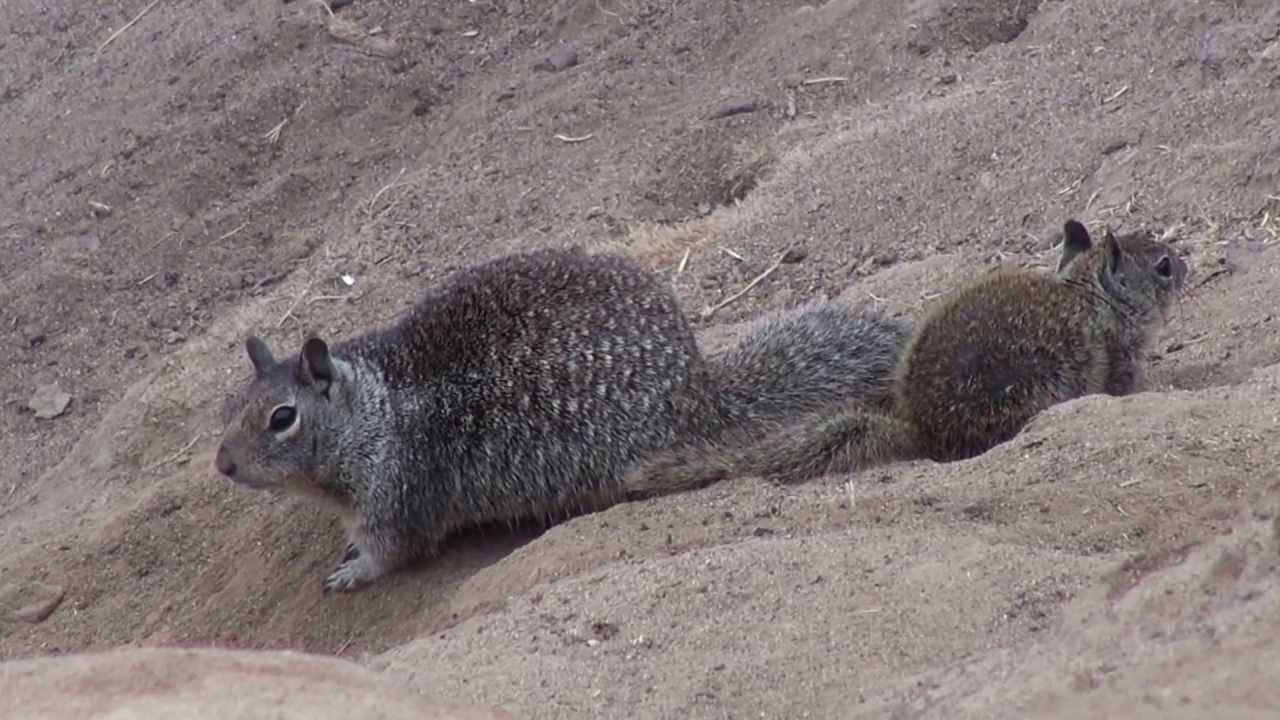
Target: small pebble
49 401
31 602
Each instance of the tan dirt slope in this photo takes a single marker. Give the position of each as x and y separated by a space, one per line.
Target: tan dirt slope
219 169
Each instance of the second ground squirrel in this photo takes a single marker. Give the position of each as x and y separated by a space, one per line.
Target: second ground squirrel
523 388
977 368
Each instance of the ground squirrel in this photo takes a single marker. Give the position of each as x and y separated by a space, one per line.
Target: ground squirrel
521 388
981 363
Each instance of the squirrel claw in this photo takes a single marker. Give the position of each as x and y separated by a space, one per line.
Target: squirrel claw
350 553
351 574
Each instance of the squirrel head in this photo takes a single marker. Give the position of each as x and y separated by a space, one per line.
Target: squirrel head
1142 275
279 426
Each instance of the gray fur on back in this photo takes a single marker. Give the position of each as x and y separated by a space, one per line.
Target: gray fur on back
521 388
808 359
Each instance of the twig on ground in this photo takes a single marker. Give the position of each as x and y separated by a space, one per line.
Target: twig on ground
758 279
825 80
1092 197
1072 187
238 228
288 313
730 253
346 644
574 139
1115 95
127 25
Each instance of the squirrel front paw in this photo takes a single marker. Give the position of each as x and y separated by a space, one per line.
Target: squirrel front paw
352 573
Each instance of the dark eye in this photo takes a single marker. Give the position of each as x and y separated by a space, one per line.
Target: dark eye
282 418
1164 268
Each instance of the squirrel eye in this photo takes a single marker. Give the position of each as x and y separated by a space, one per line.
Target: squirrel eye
282 418
1164 267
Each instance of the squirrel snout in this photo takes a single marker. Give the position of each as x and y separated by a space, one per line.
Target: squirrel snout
224 463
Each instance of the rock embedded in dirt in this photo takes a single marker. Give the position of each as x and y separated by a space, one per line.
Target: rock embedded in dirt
795 255
886 258
29 602
737 107
48 402
562 58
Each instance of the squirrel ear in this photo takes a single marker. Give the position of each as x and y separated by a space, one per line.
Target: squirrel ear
1075 240
259 355
1114 253
314 364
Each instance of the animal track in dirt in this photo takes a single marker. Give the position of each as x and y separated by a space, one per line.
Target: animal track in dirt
702 169
973 25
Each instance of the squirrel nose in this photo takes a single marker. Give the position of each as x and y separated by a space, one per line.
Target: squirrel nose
224 464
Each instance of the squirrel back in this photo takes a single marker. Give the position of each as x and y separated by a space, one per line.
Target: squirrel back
982 363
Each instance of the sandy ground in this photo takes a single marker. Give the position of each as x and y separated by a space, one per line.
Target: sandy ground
218 169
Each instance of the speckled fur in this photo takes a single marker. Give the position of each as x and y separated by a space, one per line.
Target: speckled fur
521 388
976 369
806 359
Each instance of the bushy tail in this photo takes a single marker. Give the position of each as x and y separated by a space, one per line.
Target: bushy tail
815 357
840 441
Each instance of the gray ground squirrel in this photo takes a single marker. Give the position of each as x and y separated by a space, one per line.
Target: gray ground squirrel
521 388
981 363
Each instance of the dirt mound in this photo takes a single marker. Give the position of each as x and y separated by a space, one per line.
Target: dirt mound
1093 573
208 172
149 683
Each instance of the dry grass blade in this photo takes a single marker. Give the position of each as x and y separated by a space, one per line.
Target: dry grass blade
237 229
273 134
127 25
684 261
373 201
574 139
1072 187
176 455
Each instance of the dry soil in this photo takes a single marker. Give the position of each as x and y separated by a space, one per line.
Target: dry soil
216 169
